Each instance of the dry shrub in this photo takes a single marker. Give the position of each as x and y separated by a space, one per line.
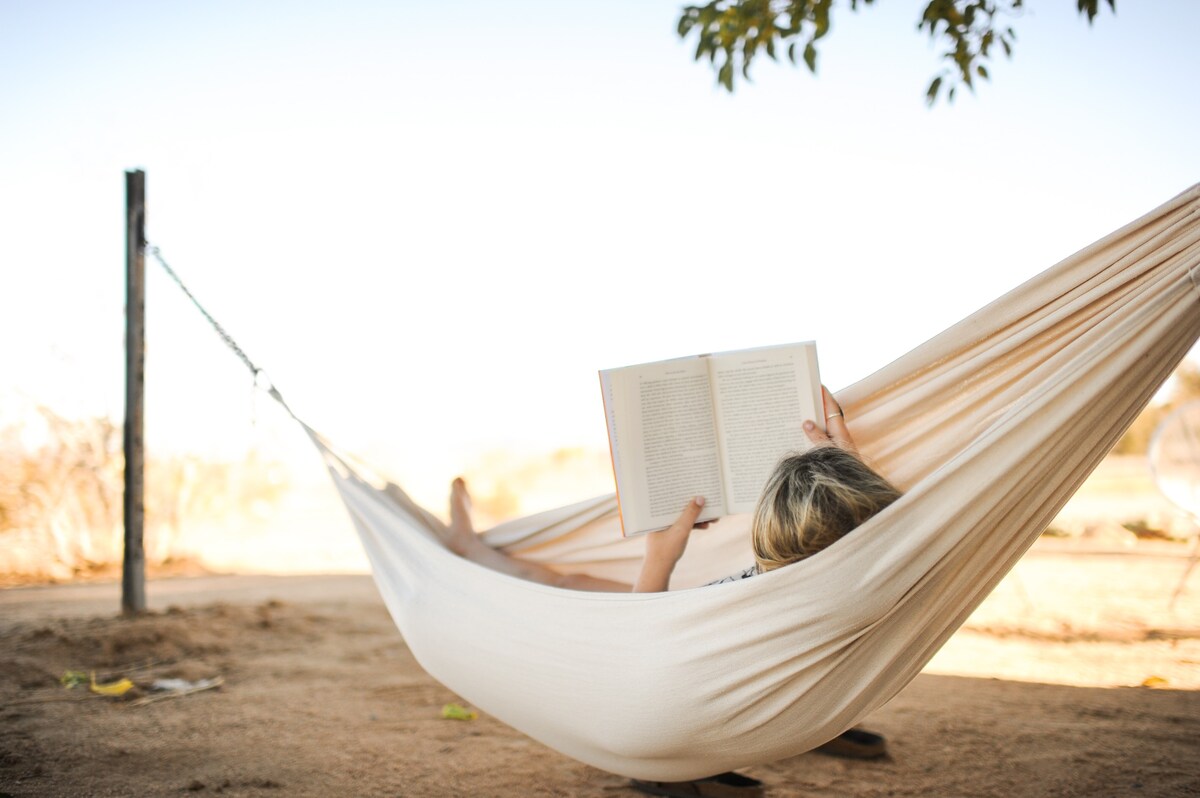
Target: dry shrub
507 485
62 498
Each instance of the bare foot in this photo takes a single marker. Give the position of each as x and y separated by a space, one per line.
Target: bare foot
461 532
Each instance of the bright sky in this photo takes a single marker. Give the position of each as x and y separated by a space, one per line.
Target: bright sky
433 222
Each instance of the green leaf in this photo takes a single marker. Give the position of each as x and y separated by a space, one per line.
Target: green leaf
821 20
458 712
792 53
982 70
930 16
71 679
931 94
810 57
725 75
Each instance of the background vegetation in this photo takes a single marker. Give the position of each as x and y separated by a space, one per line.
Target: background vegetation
61 499
61 492
731 34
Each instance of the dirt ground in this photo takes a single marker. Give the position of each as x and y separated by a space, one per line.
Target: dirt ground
1077 677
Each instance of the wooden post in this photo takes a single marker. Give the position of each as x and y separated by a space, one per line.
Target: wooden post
133 573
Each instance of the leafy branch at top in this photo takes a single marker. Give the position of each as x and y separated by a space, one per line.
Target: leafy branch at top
730 34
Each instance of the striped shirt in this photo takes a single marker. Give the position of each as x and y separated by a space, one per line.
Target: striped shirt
746 574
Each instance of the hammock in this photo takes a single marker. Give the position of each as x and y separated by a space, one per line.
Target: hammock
989 427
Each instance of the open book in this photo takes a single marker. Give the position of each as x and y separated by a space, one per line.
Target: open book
709 425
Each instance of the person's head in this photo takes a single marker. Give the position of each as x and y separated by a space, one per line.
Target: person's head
811 500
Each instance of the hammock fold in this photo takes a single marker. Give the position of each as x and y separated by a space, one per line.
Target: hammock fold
989 428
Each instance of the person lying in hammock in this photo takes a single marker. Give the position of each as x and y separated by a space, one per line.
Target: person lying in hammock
811 500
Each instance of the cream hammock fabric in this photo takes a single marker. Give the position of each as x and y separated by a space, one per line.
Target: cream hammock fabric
989 427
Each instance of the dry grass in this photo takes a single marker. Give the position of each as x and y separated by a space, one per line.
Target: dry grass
62 499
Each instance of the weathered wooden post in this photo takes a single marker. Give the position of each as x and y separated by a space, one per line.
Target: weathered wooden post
133 573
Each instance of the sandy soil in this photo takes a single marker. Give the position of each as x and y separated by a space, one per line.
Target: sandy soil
1040 694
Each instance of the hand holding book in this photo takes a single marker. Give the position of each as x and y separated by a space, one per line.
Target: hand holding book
664 548
710 425
836 432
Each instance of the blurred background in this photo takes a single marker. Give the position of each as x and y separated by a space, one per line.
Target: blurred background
432 223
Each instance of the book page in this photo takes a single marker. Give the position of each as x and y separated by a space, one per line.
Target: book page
665 443
762 397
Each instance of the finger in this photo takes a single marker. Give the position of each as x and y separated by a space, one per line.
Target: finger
833 412
682 527
460 504
835 423
831 405
840 434
687 518
816 435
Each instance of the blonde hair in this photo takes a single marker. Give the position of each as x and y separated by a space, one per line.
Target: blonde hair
811 501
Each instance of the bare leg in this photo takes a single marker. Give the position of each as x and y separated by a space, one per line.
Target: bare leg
462 539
